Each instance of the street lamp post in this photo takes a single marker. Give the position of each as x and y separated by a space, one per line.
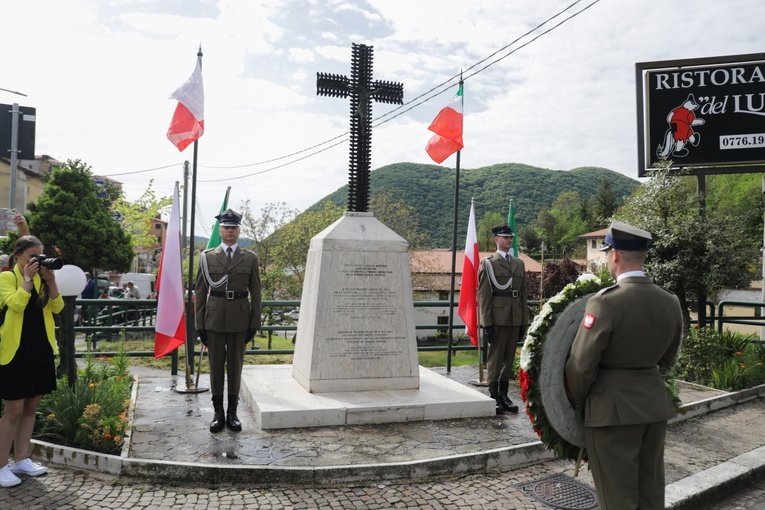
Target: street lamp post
71 282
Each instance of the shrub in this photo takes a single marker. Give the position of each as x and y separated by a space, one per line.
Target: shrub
734 343
729 376
700 353
91 414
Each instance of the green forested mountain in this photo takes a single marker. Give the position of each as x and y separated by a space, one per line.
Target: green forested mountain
430 190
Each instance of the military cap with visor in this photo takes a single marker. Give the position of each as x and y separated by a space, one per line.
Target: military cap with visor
503 230
624 237
229 218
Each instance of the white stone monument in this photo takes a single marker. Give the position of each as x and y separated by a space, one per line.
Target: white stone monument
356 347
356 330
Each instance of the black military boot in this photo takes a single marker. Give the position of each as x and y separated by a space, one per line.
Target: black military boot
507 404
219 420
494 393
232 422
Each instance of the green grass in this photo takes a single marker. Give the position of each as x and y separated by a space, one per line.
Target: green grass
426 358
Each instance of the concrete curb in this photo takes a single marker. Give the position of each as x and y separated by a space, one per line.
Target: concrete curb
716 483
500 458
708 405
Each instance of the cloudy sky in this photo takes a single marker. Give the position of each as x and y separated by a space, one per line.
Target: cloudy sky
100 74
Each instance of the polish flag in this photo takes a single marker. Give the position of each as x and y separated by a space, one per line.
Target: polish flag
170 331
468 303
188 122
447 127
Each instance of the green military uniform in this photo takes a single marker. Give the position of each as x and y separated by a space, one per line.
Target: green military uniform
227 310
503 307
629 336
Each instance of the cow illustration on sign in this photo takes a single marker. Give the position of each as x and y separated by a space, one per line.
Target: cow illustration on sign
680 133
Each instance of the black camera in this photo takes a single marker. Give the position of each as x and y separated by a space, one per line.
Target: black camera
49 263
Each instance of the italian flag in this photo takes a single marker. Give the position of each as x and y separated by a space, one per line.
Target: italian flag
170 331
468 303
188 123
447 127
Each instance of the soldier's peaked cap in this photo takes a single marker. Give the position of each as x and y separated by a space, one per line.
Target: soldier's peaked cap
624 237
503 230
229 218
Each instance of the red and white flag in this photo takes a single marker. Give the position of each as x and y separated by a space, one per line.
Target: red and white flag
447 127
170 332
188 122
468 304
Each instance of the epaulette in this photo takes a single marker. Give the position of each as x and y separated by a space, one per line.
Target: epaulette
249 251
603 291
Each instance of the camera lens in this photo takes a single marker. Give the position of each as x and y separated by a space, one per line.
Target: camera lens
52 263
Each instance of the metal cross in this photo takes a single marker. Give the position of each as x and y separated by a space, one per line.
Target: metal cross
362 90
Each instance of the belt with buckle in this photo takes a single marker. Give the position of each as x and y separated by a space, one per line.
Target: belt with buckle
229 294
505 293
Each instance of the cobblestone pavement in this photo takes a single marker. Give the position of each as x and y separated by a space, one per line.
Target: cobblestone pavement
692 446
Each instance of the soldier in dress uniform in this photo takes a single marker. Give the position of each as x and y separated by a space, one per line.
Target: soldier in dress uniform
225 318
628 338
502 298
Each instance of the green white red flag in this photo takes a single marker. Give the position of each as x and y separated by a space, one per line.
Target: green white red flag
170 331
214 240
511 224
468 302
447 127
188 122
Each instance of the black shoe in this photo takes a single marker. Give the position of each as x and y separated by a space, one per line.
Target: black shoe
232 421
507 404
219 420
494 393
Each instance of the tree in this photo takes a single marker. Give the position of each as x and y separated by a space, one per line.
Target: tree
604 202
399 217
485 236
530 241
291 251
138 216
740 196
76 225
695 251
274 281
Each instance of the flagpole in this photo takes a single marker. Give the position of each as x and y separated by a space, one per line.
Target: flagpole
454 265
191 335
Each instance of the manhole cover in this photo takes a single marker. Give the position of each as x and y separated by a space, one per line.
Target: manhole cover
561 492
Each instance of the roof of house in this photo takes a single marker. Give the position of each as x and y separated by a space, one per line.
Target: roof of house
598 234
440 261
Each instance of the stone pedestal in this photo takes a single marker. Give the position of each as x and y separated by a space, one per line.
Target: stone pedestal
356 350
356 329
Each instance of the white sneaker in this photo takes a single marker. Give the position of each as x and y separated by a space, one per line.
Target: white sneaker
7 478
27 467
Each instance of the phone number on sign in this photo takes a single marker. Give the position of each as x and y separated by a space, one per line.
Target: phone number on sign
742 141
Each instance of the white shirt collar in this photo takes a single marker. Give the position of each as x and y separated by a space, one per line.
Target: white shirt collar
630 274
504 254
226 247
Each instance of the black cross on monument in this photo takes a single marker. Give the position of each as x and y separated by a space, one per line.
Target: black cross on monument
362 90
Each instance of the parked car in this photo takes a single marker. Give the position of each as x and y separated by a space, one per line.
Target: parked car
293 314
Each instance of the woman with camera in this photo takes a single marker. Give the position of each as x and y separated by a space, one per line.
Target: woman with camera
27 348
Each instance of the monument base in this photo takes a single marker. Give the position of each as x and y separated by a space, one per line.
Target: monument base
278 401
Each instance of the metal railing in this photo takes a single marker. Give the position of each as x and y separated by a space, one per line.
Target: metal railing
140 316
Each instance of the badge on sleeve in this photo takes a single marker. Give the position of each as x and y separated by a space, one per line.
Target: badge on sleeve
589 320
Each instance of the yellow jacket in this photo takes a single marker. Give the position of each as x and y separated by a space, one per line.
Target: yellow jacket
13 295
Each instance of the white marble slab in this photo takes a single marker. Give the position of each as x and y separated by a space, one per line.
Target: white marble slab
279 401
356 329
